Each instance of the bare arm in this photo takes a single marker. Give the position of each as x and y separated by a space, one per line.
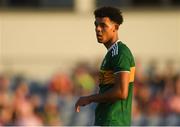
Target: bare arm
119 91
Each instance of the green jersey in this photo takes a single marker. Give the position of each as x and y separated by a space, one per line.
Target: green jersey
118 59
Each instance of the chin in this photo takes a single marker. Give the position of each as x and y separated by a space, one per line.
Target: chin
100 41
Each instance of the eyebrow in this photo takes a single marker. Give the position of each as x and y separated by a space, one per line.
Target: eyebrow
101 23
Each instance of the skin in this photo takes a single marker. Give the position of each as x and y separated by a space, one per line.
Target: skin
107 34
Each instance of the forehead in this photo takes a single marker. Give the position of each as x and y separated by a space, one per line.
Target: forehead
102 20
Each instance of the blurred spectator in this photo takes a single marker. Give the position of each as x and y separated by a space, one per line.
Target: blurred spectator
60 84
84 81
23 108
52 115
136 114
6 115
155 99
176 98
5 102
27 102
174 104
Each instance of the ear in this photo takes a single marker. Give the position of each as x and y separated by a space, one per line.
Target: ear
116 26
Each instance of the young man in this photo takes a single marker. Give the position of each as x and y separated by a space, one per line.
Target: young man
116 73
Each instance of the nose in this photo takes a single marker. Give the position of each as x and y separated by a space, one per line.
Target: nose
98 29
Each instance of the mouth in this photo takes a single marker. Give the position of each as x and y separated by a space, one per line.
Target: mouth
99 36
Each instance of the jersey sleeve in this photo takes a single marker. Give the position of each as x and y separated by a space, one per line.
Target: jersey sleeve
121 62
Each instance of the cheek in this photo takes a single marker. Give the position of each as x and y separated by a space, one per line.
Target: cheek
105 31
108 33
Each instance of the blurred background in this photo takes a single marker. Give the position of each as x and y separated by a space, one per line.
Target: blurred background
49 57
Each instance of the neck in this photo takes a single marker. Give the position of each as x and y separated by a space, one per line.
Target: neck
110 42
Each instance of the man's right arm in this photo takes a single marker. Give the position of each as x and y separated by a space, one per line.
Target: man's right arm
118 92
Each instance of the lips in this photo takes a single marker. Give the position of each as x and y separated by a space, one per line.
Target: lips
99 36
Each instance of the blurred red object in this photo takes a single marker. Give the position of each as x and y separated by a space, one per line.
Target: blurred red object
60 84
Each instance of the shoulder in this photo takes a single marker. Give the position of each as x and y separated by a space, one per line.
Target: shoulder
123 47
119 49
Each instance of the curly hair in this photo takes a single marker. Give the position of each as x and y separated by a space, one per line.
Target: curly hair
113 13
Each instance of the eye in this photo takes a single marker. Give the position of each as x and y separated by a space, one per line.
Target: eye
102 25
